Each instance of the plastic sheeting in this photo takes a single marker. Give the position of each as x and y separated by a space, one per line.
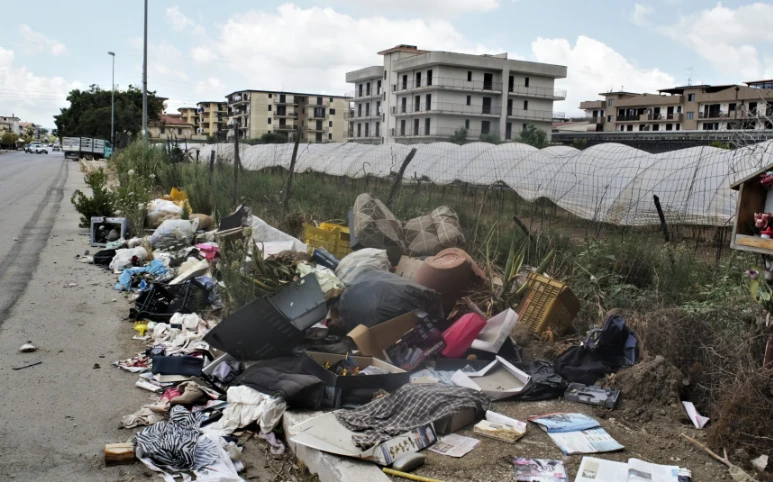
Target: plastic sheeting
610 183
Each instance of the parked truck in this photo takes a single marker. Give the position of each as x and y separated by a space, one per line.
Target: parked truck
86 147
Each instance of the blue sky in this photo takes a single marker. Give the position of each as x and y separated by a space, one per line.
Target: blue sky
203 50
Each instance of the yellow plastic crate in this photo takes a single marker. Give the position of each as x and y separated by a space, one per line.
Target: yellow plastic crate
548 304
331 236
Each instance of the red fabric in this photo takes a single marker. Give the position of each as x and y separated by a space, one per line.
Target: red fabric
460 335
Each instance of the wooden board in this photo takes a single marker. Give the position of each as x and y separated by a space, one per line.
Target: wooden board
119 454
753 244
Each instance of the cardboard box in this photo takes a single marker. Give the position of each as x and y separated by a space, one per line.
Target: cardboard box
498 380
327 434
496 331
455 422
373 341
408 267
352 389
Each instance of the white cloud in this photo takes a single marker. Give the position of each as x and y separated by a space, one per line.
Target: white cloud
312 49
31 97
203 55
182 23
729 39
640 14
212 84
438 8
167 61
594 67
36 42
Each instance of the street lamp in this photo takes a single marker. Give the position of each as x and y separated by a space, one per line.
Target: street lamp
112 104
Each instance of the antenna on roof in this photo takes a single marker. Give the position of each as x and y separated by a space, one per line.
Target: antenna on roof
689 79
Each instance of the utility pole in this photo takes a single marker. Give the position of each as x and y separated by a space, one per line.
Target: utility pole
112 105
145 78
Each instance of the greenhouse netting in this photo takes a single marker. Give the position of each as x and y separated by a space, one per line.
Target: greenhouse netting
610 183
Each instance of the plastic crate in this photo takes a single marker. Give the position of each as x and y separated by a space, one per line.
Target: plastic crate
548 304
160 301
333 237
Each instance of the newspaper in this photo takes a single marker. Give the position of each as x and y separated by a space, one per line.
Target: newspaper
455 445
636 470
539 470
576 433
697 419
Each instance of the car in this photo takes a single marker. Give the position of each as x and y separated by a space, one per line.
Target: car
56 148
36 149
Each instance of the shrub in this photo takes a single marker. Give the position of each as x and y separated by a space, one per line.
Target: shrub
101 203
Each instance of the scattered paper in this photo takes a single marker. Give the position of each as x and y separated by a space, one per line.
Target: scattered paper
760 463
697 419
576 433
539 470
500 427
455 445
636 470
28 347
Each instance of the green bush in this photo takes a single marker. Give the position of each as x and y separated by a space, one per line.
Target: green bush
101 203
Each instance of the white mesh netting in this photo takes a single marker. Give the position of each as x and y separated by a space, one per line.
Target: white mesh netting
610 183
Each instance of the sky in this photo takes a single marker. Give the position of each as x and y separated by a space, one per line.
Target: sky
204 50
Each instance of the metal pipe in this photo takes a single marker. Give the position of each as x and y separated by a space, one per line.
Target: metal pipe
145 77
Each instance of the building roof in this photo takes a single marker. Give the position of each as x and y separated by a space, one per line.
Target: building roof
12 117
185 108
403 48
172 120
604 94
211 102
283 92
26 124
758 81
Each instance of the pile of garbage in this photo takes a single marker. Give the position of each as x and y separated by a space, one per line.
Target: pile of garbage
354 321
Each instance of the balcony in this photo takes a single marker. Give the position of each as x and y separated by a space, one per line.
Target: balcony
448 108
287 100
311 115
323 128
539 92
599 119
374 94
673 117
285 127
369 116
530 114
239 99
472 134
629 118
449 84
286 115
325 103
592 104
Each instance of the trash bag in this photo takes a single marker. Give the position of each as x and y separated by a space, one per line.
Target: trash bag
605 351
104 257
375 226
545 383
379 296
174 228
362 261
123 258
427 235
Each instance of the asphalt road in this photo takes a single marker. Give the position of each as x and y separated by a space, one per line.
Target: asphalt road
56 417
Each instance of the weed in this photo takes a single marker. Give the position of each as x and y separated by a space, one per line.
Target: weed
101 203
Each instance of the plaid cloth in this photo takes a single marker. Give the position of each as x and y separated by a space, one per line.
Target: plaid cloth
409 407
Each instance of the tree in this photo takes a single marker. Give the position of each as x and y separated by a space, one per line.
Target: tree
491 138
89 114
9 140
29 131
459 137
533 136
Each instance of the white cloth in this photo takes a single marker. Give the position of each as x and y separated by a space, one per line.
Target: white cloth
246 405
123 258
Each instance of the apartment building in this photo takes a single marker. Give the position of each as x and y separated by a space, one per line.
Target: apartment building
211 118
422 95
9 124
317 117
691 107
171 126
188 114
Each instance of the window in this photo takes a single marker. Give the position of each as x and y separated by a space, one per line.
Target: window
378 129
469 76
426 126
690 115
331 99
330 137
429 77
469 100
630 127
526 82
282 122
609 118
488 81
330 124
319 100
690 97
378 88
269 96
384 75
510 83
486 105
360 90
669 127
282 98
466 123
428 102
332 112
731 107
359 130
509 106
418 79
485 126
319 112
679 109
405 82
610 102
678 126
359 110
523 127
163 128
318 137
417 103
269 107
655 127
367 129
378 107
269 120
415 127
525 105
404 105
367 88
367 109
508 131
402 127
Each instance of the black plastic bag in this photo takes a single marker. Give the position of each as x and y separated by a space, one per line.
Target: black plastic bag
545 383
104 257
378 296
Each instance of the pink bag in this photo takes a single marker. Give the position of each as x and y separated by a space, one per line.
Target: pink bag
460 335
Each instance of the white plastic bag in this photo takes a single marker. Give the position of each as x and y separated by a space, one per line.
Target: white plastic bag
262 232
174 228
327 279
358 262
123 258
162 205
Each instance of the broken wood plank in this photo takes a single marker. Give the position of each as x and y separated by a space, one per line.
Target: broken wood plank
119 454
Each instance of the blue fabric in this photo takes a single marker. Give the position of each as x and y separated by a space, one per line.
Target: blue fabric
156 267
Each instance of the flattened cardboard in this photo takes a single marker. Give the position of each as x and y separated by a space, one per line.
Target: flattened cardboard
497 329
498 380
327 434
343 389
373 341
408 267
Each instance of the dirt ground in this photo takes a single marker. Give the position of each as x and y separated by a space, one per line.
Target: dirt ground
656 441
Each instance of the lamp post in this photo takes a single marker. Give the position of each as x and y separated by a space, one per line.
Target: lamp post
145 78
112 104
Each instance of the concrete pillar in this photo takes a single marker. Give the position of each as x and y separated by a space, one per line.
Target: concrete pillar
505 97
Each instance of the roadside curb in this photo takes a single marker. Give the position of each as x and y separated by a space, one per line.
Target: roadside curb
329 467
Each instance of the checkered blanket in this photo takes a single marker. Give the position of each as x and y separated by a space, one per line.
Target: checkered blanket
411 406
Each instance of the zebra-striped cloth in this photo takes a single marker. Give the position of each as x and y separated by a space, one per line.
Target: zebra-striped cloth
175 444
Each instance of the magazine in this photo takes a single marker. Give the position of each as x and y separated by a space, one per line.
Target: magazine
500 427
576 433
539 470
636 470
454 445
